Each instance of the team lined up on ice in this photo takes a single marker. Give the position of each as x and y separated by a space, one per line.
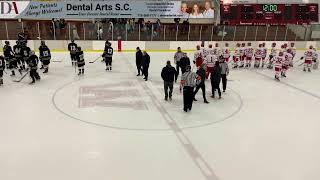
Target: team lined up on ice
244 55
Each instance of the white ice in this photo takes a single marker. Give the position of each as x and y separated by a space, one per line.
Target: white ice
115 126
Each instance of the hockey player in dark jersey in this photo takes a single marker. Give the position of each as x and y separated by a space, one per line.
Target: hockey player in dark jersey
9 57
45 56
80 61
25 53
73 48
17 49
33 65
107 56
2 68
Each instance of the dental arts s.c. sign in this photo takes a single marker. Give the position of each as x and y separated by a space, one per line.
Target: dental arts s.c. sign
90 9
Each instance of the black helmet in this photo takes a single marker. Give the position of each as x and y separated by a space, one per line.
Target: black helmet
43 43
7 42
79 48
72 40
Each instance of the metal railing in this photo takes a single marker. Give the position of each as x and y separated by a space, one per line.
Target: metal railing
79 30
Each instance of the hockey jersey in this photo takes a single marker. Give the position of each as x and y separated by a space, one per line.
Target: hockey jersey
45 53
288 59
7 51
17 51
72 47
217 51
249 51
259 53
309 55
25 52
226 52
33 62
108 51
278 61
211 60
274 51
237 52
80 58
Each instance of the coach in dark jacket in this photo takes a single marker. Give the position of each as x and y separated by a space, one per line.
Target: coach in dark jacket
215 79
138 60
201 78
145 64
169 75
184 62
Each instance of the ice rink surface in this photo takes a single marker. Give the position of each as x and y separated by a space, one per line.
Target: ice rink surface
115 126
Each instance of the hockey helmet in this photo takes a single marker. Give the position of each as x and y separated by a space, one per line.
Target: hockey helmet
217 44
210 45
202 44
79 48
72 40
281 53
238 44
249 44
243 44
43 43
7 42
32 52
289 51
292 44
198 47
274 44
227 44
310 47
260 45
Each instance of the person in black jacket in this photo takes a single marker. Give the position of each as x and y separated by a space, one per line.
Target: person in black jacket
169 75
184 62
138 60
145 65
201 78
215 79
33 65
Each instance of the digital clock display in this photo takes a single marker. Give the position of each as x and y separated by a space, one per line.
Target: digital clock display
269 7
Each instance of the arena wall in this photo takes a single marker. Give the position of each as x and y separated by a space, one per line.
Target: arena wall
161 46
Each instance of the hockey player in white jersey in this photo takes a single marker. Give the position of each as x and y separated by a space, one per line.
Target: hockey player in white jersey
236 56
293 51
278 62
242 55
309 56
210 61
210 49
198 57
217 50
258 56
248 55
226 53
285 65
264 54
274 52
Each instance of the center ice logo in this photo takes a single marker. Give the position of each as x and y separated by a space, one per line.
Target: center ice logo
120 95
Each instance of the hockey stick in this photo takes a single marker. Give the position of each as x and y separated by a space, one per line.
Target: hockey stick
301 64
22 77
57 61
5 71
95 60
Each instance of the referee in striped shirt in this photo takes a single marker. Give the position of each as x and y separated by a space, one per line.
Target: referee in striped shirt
188 82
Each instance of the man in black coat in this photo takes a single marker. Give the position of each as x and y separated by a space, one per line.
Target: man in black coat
201 78
145 65
184 62
215 79
138 60
169 75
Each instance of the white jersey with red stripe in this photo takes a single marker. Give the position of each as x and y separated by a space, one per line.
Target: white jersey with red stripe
259 53
226 52
274 51
237 52
264 52
210 51
309 55
217 51
278 61
288 59
197 54
249 51
293 50
204 51
242 51
211 60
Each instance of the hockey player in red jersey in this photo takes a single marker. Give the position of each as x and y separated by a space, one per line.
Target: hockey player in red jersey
286 63
236 56
248 55
258 56
242 54
198 57
226 52
309 55
278 62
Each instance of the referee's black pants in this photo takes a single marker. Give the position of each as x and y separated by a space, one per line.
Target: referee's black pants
187 98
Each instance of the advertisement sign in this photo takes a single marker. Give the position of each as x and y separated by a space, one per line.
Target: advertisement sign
105 9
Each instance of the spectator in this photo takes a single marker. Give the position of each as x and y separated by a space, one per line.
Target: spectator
188 83
184 10
184 62
215 79
138 60
145 65
169 75
99 33
208 12
91 28
224 73
201 78
75 32
196 12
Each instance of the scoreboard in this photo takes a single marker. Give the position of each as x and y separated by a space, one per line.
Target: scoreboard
273 14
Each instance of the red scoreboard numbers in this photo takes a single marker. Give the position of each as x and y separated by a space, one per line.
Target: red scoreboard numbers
260 14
